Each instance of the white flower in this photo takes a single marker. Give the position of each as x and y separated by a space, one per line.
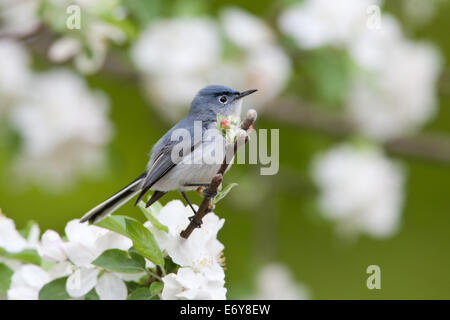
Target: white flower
26 283
51 247
264 64
275 282
64 127
316 23
160 89
96 33
81 281
201 249
177 47
97 40
201 276
190 285
18 17
87 242
360 189
111 287
64 48
396 95
268 69
15 74
11 240
176 55
74 258
108 286
245 30
372 50
185 54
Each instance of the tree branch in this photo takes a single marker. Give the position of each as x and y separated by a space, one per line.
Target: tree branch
433 147
206 206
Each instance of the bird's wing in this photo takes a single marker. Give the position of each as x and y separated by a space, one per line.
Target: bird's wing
161 166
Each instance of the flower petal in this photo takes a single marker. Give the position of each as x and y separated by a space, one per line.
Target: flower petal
83 233
51 247
61 269
79 254
110 287
81 282
10 238
23 293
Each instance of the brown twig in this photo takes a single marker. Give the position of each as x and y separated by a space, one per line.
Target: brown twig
206 206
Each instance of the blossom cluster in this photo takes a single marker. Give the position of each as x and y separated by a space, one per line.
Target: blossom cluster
186 53
393 89
391 93
353 180
63 124
120 258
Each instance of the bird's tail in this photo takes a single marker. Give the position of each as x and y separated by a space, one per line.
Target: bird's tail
115 202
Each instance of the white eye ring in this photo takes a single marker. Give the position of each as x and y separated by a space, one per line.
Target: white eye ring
223 99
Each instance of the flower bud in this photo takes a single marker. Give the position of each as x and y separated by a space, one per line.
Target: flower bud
252 114
225 123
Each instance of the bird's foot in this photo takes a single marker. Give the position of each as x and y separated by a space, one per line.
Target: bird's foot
208 194
197 225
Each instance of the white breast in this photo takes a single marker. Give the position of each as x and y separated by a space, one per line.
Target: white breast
198 168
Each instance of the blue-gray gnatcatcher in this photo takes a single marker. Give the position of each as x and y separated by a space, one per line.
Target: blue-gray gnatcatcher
163 174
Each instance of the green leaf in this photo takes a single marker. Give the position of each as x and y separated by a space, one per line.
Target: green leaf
143 10
27 256
136 257
116 224
170 266
91 295
54 290
142 293
330 73
144 242
150 213
116 260
189 8
132 285
223 193
5 277
156 287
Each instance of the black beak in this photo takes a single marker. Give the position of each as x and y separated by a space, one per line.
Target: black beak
245 93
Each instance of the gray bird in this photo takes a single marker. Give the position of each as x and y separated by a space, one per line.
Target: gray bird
163 174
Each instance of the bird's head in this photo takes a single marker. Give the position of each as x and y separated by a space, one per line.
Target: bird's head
213 100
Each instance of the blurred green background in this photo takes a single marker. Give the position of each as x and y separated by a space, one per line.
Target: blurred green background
273 218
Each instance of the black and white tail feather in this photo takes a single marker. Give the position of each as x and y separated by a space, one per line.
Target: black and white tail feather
115 202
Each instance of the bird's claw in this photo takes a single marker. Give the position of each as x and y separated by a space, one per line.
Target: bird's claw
197 225
208 194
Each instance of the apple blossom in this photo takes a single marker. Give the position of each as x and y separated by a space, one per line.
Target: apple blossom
26 282
361 190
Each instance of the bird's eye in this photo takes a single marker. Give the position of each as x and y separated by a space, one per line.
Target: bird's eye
223 99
